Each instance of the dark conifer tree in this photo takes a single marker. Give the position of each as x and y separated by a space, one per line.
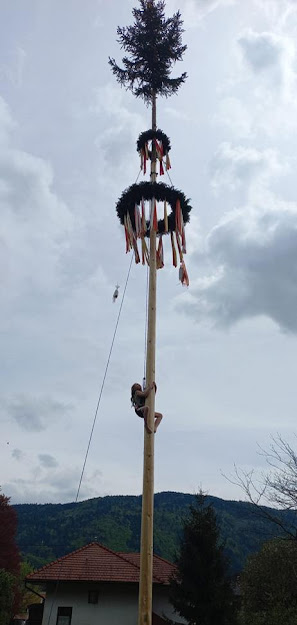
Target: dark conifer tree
201 591
153 44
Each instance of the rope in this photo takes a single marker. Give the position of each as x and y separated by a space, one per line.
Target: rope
169 177
138 176
105 373
103 381
95 415
92 430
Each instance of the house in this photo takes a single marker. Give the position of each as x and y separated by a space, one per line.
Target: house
95 585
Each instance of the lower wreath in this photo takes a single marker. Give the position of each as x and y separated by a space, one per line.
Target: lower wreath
148 191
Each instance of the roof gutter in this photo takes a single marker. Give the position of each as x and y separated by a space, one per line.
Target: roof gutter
34 592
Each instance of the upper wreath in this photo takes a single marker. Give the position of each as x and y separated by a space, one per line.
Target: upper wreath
154 44
149 135
159 147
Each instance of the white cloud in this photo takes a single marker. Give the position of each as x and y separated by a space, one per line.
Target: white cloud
251 255
12 67
193 11
6 122
249 266
34 414
260 91
233 115
53 486
270 56
236 166
35 223
17 454
277 11
47 461
117 140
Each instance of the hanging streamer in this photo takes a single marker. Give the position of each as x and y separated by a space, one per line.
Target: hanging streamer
183 234
184 247
138 224
160 154
145 252
130 228
127 237
183 274
136 253
128 240
136 221
178 218
165 217
179 247
151 214
154 218
160 254
159 148
143 222
174 258
168 164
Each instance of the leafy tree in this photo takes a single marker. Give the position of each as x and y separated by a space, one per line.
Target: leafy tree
201 591
7 589
9 553
153 44
269 585
26 596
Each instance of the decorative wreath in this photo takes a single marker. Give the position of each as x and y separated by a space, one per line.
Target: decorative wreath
147 191
148 135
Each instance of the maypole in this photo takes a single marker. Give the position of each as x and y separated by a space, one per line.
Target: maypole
147 514
154 45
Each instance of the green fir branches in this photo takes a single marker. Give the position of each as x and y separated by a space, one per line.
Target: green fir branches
153 45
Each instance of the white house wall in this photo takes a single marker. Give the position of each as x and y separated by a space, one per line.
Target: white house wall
117 603
162 605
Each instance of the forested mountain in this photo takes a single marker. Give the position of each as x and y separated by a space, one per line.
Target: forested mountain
48 531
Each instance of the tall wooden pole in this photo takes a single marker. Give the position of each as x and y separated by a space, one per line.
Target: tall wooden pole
147 517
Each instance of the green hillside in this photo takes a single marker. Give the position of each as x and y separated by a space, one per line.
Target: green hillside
46 532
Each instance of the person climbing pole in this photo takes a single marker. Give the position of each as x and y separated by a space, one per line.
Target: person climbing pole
138 397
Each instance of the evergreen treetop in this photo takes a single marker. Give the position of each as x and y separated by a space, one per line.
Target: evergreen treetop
153 44
200 591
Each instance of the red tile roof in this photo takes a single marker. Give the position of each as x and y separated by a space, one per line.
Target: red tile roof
162 568
99 564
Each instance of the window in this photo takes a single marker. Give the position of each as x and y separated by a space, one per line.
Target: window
64 616
93 596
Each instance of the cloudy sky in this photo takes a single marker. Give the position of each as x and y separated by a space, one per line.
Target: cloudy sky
227 346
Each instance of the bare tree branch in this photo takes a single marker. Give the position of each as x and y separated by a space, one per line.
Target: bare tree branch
276 488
